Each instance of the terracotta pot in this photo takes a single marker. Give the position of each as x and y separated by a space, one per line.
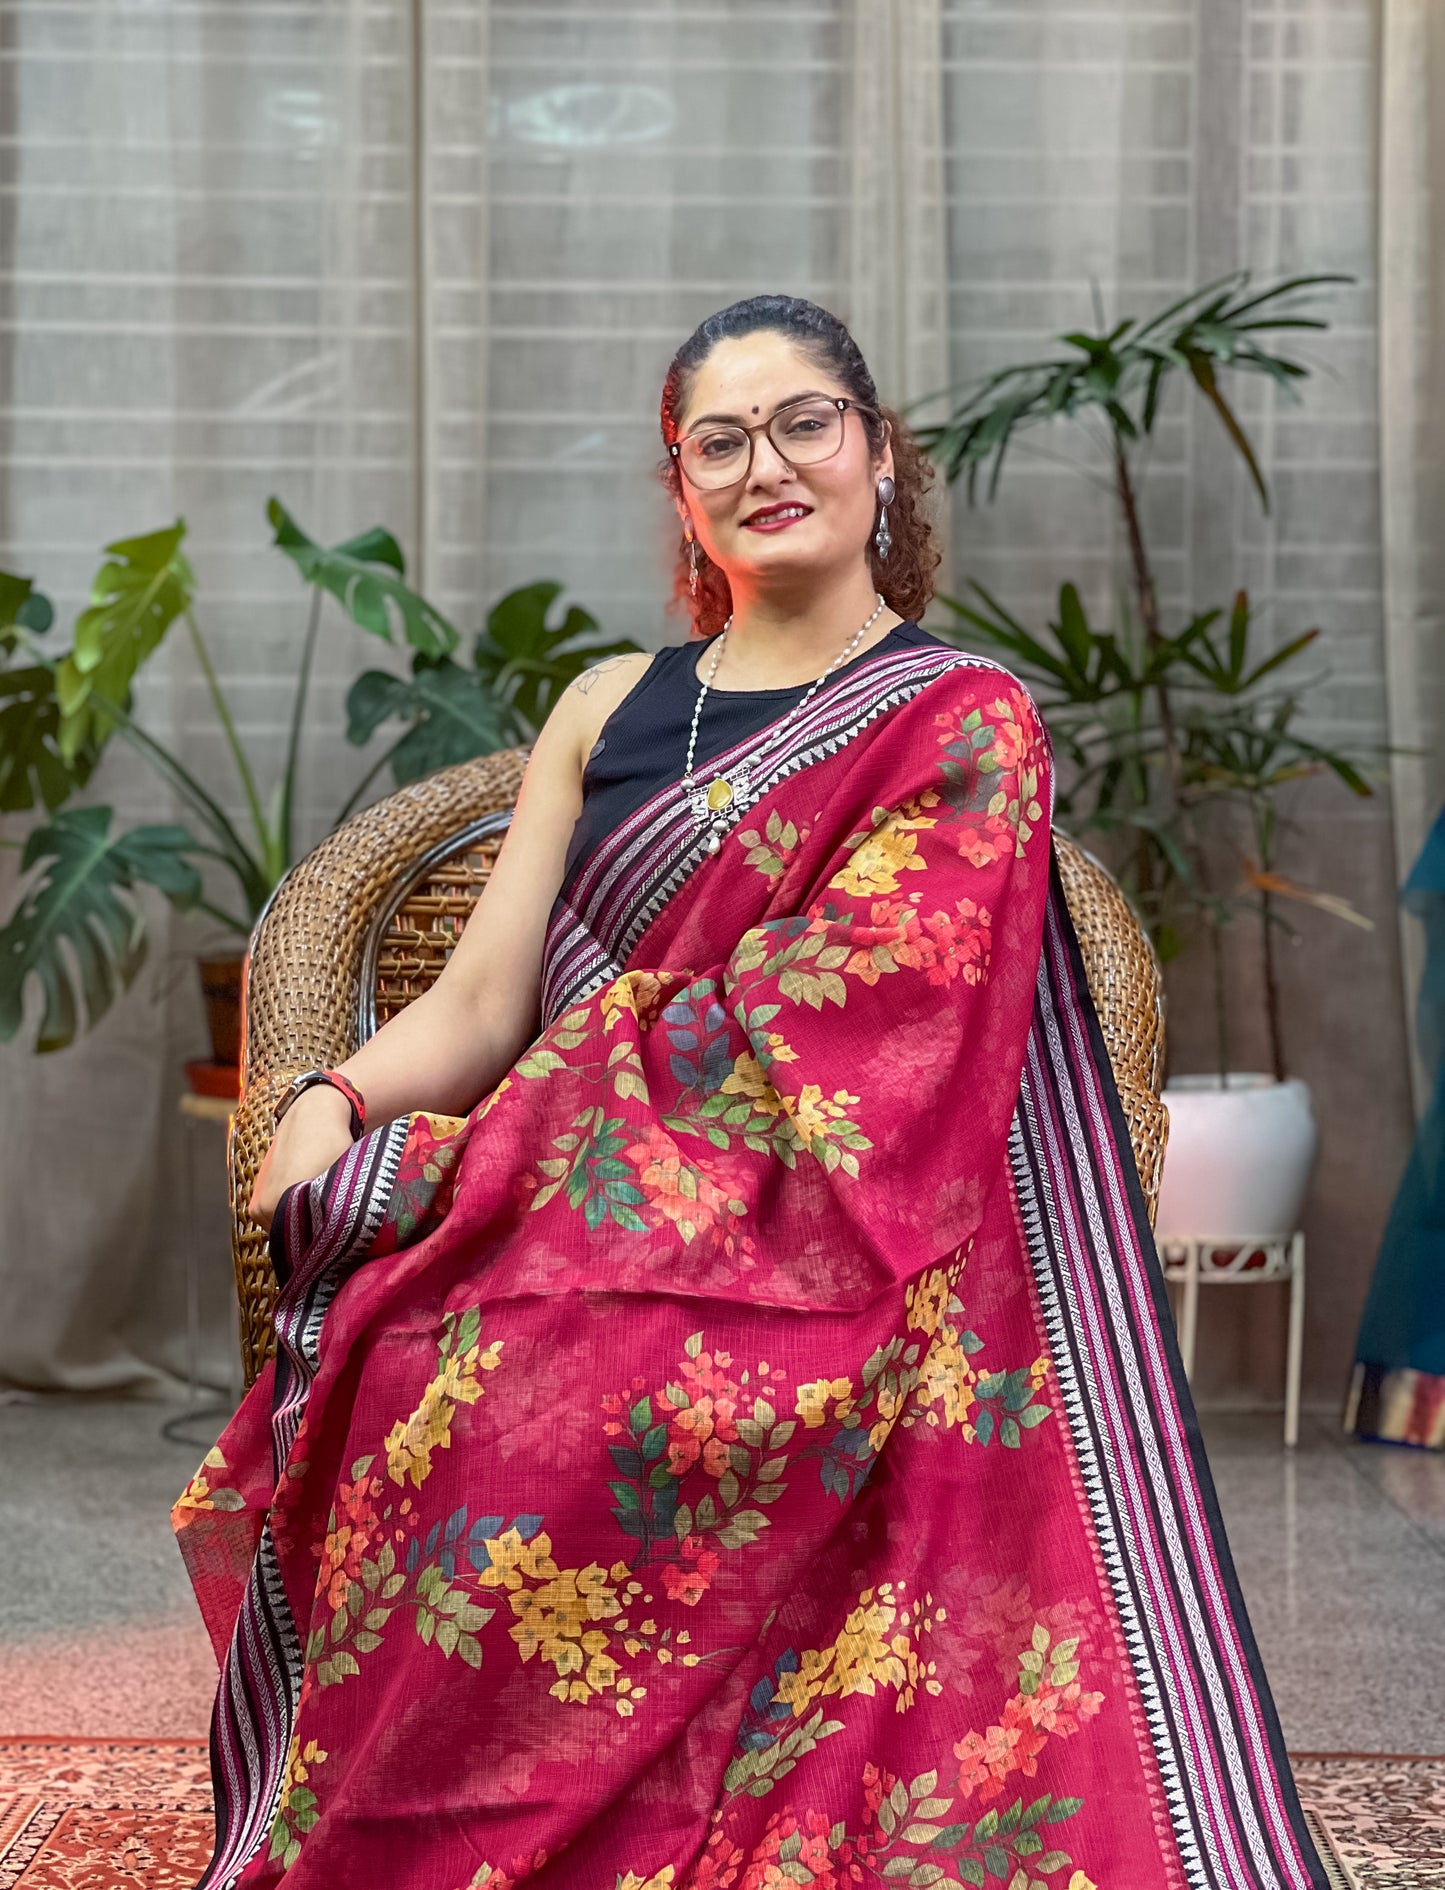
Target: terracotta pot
221 980
1238 1159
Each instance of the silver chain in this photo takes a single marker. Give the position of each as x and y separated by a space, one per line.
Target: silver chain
795 711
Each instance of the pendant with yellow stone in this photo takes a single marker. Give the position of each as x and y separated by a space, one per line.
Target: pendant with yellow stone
726 794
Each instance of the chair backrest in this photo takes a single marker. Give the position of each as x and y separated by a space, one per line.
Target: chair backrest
365 923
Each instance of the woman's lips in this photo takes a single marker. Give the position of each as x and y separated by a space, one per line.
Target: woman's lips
773 523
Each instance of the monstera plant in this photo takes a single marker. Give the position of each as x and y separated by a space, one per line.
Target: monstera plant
78 931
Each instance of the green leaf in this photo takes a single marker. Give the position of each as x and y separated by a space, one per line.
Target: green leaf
1073 632
1202 368
32 764
529 662
365 576
744 1527
78 930
453 715
375 697
144 585
24 611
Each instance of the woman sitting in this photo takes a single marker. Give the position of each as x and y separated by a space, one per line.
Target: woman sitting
725 1430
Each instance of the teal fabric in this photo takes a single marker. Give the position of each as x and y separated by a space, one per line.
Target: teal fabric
1403 1326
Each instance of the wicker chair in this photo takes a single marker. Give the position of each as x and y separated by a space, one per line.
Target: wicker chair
364 924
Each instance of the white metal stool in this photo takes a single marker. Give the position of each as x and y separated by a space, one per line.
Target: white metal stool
1190 1264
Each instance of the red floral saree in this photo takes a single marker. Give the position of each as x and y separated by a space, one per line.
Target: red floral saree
750 1448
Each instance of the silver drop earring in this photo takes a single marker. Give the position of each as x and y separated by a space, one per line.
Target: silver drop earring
691 558
882 538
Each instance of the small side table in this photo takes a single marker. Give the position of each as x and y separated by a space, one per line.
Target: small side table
195 1110
1190 1264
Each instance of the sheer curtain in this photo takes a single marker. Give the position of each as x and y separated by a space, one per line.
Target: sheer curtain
209 291
425 264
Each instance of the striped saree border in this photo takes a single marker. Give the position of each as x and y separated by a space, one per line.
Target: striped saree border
260 1683
597 921
1216 1740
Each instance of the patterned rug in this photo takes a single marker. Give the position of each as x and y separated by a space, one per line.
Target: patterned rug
1384 1816
135 1814
101 1814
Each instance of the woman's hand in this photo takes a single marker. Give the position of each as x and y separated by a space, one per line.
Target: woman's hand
314 1132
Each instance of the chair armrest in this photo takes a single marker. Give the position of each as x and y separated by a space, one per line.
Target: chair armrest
1128 992
302 996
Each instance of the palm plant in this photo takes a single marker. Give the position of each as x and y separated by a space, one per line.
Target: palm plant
1170 739
78 930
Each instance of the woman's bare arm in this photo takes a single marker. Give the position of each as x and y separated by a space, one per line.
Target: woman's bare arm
453 1044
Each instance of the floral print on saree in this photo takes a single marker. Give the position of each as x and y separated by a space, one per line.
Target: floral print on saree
748 1449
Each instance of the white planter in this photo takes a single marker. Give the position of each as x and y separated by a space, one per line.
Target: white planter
1238 1159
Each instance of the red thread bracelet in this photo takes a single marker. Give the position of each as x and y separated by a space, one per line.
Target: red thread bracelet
354 1096
308 1079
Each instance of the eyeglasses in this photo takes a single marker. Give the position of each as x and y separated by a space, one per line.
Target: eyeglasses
803 434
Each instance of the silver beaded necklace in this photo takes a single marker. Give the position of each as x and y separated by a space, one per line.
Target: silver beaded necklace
728 794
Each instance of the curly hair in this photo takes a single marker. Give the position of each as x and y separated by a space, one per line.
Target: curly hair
905 580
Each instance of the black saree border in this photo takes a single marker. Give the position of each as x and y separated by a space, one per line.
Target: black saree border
1237 1823
323 1231
1184 1399
621 886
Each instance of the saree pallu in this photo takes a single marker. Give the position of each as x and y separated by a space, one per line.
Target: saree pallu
749 1449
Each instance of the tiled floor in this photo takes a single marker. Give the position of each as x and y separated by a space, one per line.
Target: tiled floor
1340 1551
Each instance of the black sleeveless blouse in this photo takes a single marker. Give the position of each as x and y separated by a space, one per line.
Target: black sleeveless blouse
643 743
